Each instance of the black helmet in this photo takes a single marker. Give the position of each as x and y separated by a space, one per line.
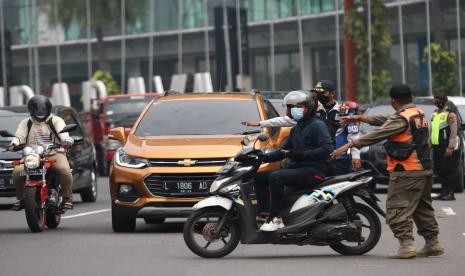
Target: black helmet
39 106
306 98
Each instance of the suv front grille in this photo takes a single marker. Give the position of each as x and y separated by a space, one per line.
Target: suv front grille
194 162
156 184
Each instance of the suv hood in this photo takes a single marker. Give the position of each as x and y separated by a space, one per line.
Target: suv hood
201 146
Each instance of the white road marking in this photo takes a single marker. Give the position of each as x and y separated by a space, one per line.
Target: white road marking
449 211
87 213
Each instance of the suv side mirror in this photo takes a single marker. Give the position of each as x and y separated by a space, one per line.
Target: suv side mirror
69 128
245 142
118 134
263 137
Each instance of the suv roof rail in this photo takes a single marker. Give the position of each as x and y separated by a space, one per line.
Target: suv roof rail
254 92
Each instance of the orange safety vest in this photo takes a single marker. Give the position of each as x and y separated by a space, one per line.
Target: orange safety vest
416 134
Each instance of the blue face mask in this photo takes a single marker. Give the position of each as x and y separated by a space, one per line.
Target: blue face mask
297 113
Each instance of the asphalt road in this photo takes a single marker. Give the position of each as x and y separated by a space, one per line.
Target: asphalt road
84 244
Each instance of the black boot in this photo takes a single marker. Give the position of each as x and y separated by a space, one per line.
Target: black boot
449 196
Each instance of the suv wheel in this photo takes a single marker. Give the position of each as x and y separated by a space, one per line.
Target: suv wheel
121 224
90 193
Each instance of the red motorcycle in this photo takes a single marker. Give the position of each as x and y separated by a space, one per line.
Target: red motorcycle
43 202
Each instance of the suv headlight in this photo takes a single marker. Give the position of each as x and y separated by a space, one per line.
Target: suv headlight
32 161
125 160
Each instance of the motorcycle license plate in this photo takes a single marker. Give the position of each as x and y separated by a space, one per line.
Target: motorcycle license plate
32 172
186 186
4 183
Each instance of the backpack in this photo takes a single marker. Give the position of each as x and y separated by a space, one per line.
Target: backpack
50 126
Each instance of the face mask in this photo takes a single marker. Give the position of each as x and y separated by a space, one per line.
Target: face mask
40 117
297 113
439 105
323 99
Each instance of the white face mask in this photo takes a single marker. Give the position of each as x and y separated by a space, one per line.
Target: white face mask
40 117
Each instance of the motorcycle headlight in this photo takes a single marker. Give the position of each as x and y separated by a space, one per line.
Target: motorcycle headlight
27 151
125 160
217 183
40 150
230 188
32 161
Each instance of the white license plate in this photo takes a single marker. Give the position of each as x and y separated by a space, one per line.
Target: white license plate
32 172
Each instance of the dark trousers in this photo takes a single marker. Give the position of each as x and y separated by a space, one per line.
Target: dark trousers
446 168
343 166
269 187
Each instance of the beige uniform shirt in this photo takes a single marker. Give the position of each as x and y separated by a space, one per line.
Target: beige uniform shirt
40 133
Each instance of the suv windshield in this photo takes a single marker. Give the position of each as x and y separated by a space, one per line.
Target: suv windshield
198 117
123 112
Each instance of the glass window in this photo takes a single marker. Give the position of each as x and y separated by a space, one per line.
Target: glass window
194 117
69 119
271 113
123 112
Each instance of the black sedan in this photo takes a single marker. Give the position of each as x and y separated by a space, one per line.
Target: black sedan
374 156
81 156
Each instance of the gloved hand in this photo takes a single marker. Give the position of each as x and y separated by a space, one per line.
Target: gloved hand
67 143
266 158
295 155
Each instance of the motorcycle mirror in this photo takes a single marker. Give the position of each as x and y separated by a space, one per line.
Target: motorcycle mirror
6 133
78 139
245 142
69 128
263 137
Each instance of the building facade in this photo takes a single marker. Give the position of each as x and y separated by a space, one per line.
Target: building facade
291 43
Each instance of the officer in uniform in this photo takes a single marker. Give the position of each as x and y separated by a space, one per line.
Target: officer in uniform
444 140
409 164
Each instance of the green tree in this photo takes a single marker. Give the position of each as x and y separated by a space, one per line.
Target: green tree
444 69
357 27
104 14
107 79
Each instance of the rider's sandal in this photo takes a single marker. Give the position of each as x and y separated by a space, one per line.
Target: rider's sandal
69 206
19 205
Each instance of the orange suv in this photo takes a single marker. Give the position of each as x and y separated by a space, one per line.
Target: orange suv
174 150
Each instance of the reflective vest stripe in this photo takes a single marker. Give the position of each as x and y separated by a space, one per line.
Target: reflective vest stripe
438 122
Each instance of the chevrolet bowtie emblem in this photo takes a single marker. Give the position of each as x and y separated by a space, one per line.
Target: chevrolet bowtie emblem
187 162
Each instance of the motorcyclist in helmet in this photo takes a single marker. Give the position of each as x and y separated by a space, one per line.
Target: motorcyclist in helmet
308 145
42 128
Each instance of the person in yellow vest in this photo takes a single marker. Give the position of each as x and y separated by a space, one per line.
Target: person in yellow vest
409 165
444 141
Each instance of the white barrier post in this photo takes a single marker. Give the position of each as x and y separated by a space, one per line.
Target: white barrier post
2 97
19 95
203 83
60 94
178 83
94 89
158 85
136 85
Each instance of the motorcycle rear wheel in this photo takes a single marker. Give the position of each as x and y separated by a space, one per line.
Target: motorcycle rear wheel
203 223
374 225
35 214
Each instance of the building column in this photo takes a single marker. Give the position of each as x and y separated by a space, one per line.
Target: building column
349 60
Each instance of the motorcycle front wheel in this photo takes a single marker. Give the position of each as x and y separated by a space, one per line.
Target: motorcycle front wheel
201 237
35 213
370 231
